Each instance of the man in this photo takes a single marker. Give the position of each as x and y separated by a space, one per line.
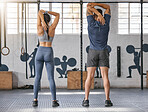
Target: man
98 55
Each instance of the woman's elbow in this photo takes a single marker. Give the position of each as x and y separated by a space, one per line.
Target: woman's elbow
58 14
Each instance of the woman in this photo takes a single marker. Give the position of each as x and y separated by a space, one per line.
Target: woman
45 53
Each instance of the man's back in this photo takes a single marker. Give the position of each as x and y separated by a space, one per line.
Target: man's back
98 34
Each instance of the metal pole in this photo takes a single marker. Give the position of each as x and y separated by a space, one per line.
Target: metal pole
71 2
26 43
38 5
22 28
81 42
38 40
38 11
5 24
141 45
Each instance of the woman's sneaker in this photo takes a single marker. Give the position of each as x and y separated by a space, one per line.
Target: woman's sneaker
35 103
108 103
55 103
85 103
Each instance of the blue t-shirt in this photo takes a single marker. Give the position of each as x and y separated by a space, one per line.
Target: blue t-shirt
98 34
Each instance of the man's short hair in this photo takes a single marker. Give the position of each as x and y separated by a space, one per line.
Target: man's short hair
100 11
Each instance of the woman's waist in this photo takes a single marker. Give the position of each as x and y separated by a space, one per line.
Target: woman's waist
46 44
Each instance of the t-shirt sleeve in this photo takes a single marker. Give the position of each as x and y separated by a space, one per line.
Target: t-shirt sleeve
107 18
92 22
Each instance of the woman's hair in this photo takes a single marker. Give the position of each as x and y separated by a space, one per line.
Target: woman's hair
47 19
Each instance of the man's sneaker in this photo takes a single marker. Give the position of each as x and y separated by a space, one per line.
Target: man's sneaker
108 103
35 103
85 103
55 103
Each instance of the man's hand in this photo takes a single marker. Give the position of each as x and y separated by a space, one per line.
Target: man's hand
90 4
101 19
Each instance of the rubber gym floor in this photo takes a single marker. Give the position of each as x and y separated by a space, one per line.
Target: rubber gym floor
124 100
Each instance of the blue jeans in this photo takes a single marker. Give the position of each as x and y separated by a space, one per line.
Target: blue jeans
44 54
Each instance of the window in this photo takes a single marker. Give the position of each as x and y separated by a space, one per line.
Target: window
31 18
129 18
123 23
85 31
69 22
145 21
71 18
11 22
57 7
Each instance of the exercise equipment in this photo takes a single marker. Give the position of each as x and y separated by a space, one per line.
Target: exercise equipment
24 55
5 46
22 30
3 67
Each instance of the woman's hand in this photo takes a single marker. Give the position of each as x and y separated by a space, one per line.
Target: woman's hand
42 11
44 26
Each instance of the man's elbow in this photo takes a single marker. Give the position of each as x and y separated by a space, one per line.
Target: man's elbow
108 7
